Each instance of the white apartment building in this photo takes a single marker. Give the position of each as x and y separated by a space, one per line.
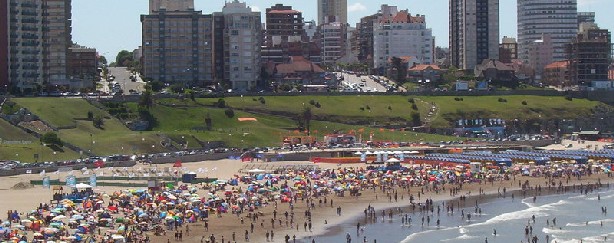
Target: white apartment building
556 18
242 43
399 34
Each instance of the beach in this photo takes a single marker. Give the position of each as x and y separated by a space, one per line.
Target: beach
325 220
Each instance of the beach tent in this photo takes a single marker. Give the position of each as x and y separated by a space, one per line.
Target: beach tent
255 171
82 186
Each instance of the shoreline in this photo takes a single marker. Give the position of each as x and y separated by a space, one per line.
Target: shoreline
485 197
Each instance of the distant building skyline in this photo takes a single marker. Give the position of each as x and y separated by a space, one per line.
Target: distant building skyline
94 15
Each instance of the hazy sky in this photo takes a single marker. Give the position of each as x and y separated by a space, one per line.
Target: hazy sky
114 25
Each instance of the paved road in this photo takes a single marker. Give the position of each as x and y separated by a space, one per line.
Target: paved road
122 76
370 84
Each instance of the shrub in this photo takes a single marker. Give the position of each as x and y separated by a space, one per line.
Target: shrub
90 115
411 100
230 113
569 98
389 107
98 121
414 107
52 139
502 100
262 101
208 122
368 107
362 108
317 105
524 102
221 103
312 102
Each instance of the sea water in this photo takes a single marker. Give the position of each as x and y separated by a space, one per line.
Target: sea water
579 218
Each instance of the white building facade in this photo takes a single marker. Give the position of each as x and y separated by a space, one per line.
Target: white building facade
402 35
242 44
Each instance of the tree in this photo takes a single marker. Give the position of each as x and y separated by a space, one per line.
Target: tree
415 119
230 113
221 103
124 59
98 121
155 86
192 94
397 63
146 100
102 60
51 139
307 116
208 122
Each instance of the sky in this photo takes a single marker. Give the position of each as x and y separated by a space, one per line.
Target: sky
114 25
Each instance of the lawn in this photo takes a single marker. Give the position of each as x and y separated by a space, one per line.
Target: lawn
26 152
378 109
539 107
268 130
346 109
10 133
182 122
59 112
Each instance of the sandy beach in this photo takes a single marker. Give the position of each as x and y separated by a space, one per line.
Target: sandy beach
324 217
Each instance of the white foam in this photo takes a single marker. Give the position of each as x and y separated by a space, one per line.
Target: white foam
594 222
555 231
462 237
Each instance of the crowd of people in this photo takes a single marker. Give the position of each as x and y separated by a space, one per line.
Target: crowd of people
185 210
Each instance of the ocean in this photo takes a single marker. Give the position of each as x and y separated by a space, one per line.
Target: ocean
578 217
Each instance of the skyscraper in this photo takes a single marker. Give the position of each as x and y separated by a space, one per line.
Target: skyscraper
474 32
336 8
556 18
178 46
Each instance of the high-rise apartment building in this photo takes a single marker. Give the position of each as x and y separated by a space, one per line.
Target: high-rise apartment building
556 18
178 46
82 66
332 37
474 32
365 38
35 41
283 24
25 49
4 47
508 50
56 41
335 8
589 55
540 55
170 5
242 43
400 34
585 17
284 34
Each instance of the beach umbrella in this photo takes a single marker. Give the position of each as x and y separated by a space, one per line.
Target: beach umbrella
59 217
